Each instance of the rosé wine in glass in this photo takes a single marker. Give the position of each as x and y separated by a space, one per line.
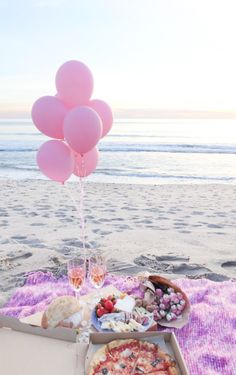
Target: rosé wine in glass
76 273
97 276
97 270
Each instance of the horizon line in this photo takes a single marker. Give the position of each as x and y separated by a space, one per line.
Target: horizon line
150 113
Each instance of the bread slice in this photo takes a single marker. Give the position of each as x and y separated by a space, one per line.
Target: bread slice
59 309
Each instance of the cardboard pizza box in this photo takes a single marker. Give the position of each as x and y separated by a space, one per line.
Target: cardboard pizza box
166 340
28 350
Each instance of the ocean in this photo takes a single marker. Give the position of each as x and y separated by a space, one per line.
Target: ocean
155 151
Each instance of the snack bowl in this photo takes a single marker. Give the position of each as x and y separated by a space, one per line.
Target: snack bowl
118 313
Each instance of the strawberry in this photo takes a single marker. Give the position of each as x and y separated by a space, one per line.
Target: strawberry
100 312
108 305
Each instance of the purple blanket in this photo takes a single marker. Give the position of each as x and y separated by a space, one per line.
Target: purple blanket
208 341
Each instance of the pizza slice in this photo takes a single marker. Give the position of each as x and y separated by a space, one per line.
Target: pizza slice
147 359
103 364
151 360
170 371
125 352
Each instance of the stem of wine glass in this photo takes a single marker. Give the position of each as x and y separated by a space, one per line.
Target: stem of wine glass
76 294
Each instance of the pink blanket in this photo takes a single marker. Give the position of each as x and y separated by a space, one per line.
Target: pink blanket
208 341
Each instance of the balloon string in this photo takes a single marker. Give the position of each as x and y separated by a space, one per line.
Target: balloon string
82 193
80 208
73 199
81 173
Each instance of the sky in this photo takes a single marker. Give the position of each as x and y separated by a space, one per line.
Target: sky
144 54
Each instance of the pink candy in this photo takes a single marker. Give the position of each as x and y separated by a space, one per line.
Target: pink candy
180 307
162 313
166 298
171 316
178 312
159 292
156 315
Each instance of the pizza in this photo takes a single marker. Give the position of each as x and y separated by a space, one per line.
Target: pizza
132 357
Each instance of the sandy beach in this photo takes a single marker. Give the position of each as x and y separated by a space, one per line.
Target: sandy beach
177 230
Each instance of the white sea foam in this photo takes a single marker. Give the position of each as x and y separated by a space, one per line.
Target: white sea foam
147 151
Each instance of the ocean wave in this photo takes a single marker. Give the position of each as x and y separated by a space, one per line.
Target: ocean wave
18 167
171 148
116 172
18 149
122 173
158 148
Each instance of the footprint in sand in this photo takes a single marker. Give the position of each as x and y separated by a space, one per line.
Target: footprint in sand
197 213
214 226
102 233
4 214
229 264
72 242
170 264
4 223
11 262
37 224
33 214
42 208
171 258
145 221
18 237
189 269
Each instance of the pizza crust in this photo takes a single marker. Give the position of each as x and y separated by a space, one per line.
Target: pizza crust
97 359
116 343
166 357
173 371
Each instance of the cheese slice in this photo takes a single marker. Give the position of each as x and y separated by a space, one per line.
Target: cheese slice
126 304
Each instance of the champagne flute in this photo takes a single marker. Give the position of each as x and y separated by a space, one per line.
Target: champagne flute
97 270
76 268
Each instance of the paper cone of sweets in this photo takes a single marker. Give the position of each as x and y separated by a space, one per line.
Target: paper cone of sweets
169 304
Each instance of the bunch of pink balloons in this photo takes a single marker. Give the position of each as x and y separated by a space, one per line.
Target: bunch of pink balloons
74 121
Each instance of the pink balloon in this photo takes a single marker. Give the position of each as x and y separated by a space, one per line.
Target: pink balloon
55 160
74 83
48 114
82 129
86 164
105 112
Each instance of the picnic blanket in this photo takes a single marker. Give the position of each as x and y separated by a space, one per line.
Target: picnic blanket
208 341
